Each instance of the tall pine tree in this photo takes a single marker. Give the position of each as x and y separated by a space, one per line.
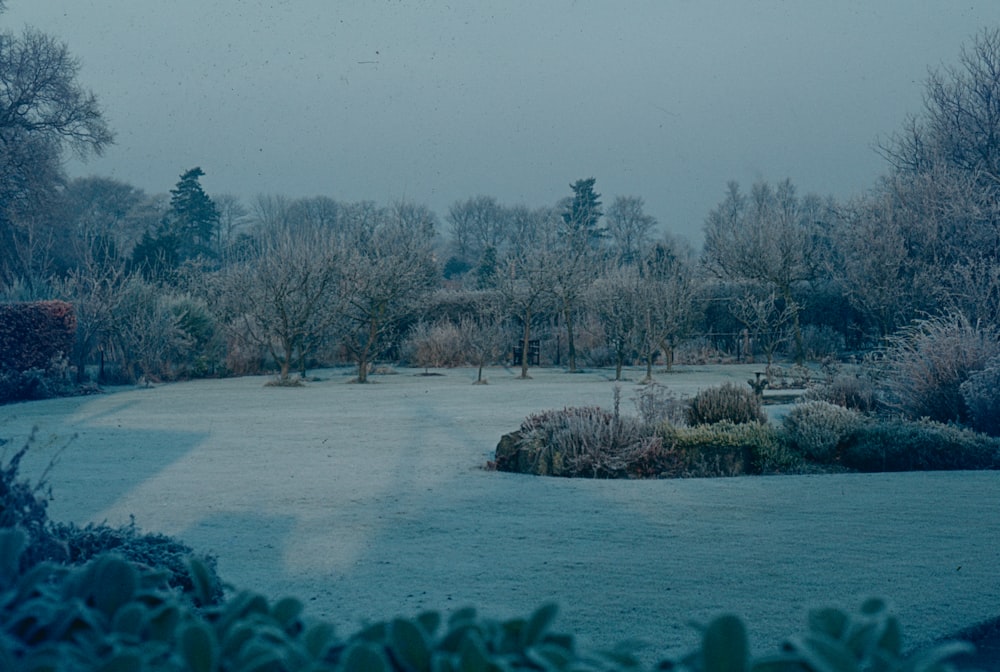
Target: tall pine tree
193 218
583 213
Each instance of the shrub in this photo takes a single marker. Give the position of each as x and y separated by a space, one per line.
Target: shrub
23 506
33 334
724 449
818 430
36 340
981 393
54 380
926 364
439 345
905 445
199 347
583 441
656 404
727 402
821 341
855 392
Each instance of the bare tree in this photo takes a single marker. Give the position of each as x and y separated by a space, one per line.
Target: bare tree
234 219
477 224
960 122
388 267
629 227
874 267
485 336
524 282
766 317
766 238
615 299
668 298
945 181
282 293
43 112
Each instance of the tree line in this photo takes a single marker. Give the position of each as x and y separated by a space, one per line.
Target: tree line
191 284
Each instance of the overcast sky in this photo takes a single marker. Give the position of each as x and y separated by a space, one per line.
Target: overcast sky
439 101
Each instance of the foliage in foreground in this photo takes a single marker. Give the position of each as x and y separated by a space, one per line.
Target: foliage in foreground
112 615
24 506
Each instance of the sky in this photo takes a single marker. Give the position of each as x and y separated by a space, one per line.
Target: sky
436 101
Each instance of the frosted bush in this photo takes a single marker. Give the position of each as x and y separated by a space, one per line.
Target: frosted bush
725 403
981 393
817 429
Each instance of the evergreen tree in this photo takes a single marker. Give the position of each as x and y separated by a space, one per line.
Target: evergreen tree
193 217
584 212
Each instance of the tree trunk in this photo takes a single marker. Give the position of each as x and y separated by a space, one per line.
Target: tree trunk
618 366
800 354
570 341
286 361
362 368
524 345
365 350
649 365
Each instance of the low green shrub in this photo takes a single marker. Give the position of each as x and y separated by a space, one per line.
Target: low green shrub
905 445
724 449
818 430
726 402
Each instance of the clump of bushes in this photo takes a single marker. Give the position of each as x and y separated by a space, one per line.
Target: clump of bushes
814 437
926 364
594 443
818 430
905 445
438 345
726 402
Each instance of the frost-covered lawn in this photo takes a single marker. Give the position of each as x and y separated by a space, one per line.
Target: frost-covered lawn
369 501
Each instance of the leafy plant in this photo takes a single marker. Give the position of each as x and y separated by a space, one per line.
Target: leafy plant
111 614
726 402
835 641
